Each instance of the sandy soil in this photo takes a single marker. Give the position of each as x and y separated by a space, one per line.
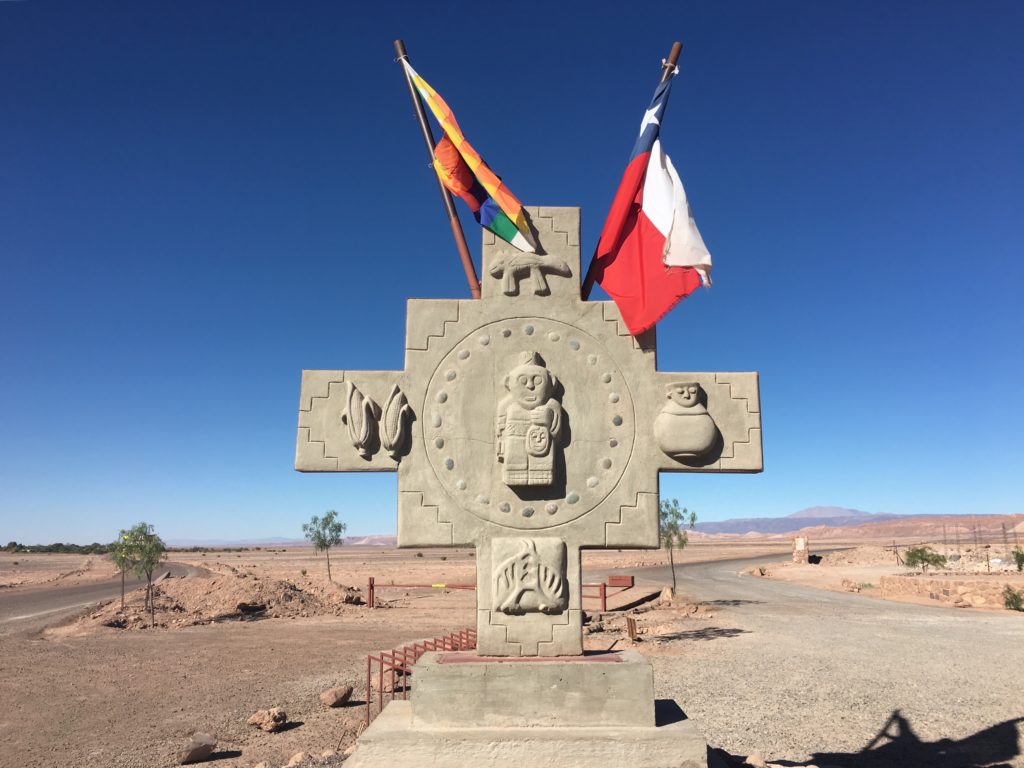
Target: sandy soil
860 570
26 569
354 565
88 694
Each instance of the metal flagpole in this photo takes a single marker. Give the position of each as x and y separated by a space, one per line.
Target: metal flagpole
668 68
446 196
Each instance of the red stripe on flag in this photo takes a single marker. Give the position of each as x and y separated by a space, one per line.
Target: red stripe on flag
624 208
631 268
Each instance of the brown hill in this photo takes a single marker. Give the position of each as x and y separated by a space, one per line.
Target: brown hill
988 528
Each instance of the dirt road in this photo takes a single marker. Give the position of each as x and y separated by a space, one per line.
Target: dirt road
802 674
30 609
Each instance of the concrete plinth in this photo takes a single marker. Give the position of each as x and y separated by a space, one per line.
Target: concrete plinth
466 690
580 712
394 739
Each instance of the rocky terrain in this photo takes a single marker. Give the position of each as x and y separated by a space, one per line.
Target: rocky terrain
224 593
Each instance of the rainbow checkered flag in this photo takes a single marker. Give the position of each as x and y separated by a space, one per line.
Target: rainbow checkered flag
464 173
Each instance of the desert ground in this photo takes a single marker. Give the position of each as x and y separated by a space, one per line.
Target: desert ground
795 671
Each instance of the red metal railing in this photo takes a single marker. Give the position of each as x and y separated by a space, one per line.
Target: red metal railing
399 661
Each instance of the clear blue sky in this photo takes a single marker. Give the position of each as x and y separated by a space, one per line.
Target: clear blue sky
199 199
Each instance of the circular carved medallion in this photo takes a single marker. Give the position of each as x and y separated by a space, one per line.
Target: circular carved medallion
557 461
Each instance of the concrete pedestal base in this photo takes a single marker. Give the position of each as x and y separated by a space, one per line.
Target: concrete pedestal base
580 712
393 740
463 690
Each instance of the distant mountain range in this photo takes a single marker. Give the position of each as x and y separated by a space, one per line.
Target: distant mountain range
833 517
378 540
816 522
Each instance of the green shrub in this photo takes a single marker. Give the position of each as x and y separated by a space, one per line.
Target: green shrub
1012 599
923 557
419 554
303 571
1018 556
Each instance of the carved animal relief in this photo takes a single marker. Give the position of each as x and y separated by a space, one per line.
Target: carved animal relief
528 581
529 424
511 268
684 428
360 416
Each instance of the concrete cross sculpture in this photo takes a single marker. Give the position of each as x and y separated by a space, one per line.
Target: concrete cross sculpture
531 425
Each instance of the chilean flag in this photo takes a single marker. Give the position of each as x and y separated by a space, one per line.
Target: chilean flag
650 254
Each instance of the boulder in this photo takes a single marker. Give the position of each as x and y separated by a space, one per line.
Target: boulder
269 720
756 761
297 759
335 697
667 595
199 748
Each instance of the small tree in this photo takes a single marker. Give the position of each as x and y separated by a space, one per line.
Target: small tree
923 557
1018 556
324 532
121 552
672 529
147 550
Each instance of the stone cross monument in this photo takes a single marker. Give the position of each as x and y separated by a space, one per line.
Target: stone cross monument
529 424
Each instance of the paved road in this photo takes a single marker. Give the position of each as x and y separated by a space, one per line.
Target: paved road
29 609
804 674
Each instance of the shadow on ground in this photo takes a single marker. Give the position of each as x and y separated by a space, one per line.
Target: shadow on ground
734 603
224 754
707 633
896 744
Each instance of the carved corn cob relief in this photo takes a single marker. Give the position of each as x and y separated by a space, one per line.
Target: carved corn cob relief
360 415
396 424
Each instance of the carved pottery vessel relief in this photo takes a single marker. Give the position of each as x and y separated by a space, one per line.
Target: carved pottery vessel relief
684 428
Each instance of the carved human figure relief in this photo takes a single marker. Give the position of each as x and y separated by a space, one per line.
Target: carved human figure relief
360 415
684 428
529 582
528 425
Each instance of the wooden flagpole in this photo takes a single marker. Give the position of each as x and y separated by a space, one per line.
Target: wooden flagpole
668 68
446 196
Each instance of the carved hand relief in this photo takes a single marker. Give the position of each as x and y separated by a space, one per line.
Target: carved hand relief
684 428
360 415
528 424
396 425
530 576
514 267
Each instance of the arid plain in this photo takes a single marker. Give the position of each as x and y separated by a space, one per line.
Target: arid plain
794 667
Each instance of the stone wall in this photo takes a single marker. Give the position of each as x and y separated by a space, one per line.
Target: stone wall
977 592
